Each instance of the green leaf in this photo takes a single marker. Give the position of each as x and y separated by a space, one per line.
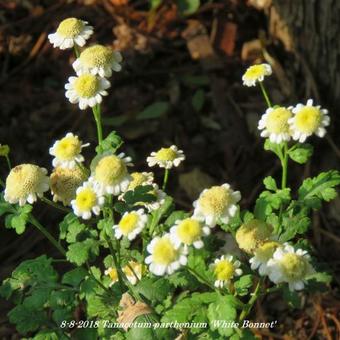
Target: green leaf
155 3
176 216
154 110
80 252
188 7
85 334
294 225
198 100
243 284
301 153
224 308
64 224
322 187
38 298
74 277
47 335
274 147
292 298
270 183
154 289
19 219
110 144
62 298
142 193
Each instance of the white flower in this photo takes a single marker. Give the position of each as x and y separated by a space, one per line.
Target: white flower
166 157
99 60
110 175
71 32
87 201
133 271
225 268
290 266
64 183
140 178
67 151
113 274
86 90
308 120
131 224
25 183
262 255
217 204
256 73
274 124
189 232
165 255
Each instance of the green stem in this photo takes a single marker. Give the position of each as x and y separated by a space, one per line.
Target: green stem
83 169
55 205
8 163
284 163
165 180
97 117
251 302
2 183
265 94
116 262
44 231
201 278
76 50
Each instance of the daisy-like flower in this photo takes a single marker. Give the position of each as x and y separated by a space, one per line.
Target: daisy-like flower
217 204
86 90
133 271
256 73
110 175
70 32
64 183
140 178
113 274
189 232
308 119
67 151
98 59
274 124
131 224
225 268
166 256
252 234
290 266
262 255
166 157
25 183
157 202
87 201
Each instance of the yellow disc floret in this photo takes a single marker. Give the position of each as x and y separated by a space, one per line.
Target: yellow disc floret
86 199
256 72
214 200
252 234
64 183
110 169
23 180
164 252
277 120
96 56
266 251
166 154
68 148
86 85
112 272
224 270
128 223
189 231
138 179
294 266
70 28
308 119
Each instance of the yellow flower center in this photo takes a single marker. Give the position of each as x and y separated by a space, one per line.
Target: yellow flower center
214 200
224 270
96 56
308 119
266 251
135 266
23 180
110 169
164 252
137 179
252 234
277 120
68 148
128 223
113 274
255 72
86 199
70 28
189 231
294 266
86 85
166 154
64 183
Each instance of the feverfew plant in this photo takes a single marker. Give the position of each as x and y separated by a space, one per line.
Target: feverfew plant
130 255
